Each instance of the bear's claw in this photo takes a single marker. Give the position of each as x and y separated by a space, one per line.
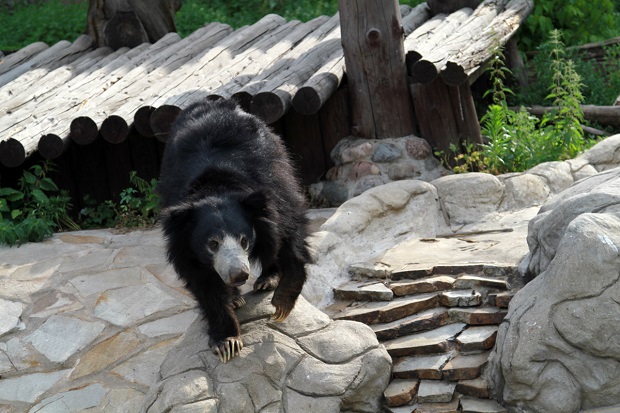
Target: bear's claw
267 283
238 302
227 348
283 308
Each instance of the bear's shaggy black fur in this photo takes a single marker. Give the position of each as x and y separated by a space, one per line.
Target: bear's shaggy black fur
229 196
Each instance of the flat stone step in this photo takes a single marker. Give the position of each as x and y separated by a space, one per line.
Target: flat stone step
477 387
477 338
400 392
435 341
420 367
363 291
425 320
476 281
435 391
474 405
502 299
464 367
460 298
478 316
451 407
385 312
425 285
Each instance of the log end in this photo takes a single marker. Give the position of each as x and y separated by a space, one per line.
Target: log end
51 146
12 153
268 106
162 119
142 121
114 129
307 101
423 71
83 130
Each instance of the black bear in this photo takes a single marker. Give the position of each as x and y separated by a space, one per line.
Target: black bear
229 197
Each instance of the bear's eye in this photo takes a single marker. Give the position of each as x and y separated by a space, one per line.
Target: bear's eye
213 245
244 243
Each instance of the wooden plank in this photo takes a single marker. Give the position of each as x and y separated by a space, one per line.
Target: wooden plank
21 56
335 118
274 98
303 137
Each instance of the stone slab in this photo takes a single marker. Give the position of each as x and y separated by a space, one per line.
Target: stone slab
477 338
428 342
72 401
478 316
11 312
475 281
400 392
420 367
426 320
425 285
451 407
477 387
460 298
464 367
435 391
363 291
385 312
29 387
503 299
475 405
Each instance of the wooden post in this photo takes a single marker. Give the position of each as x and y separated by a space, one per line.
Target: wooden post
372 39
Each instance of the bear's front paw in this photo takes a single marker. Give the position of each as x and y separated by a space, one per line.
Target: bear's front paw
238 302
284 305
267 283
227 348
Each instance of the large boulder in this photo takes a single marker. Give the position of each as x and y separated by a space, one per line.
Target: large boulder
307 363
558 349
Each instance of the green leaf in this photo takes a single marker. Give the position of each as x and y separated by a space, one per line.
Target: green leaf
30 178
15 213
47 184
40 196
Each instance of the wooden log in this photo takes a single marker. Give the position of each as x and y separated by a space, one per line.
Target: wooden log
61 53
420 36
252 75
372 39
12 153
450 6
21 56
446 114
335 118
594 131
40 81
303 136
114 129
125 96
179 88
161 120
274 98
617 102
51 146
142 121
83 130
605 115
502 28
34 119
322 84
424 69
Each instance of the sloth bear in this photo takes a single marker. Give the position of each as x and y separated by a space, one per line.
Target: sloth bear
229 198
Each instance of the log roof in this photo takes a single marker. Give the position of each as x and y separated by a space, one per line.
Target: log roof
73 91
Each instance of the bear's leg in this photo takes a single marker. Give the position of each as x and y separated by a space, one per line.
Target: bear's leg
224 331
237 298
293 270
268 279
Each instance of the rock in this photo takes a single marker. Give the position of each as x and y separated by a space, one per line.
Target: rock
450 407
604 155
523 190
473 405
477 316
73 400
306 363
356 152
559 351
433 391
474 281
386 152
460 298
427 285
464 367
598 193
420 367
400 392
385 312
422 321
477 338
11 313
361 169
428 342
477 387
364 292
557 175
28 387
468 198
418 148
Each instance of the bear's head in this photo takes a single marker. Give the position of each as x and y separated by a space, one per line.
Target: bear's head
220 233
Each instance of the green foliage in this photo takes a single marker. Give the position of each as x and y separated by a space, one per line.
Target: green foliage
41 21
518 141
138 207
34 210
582 21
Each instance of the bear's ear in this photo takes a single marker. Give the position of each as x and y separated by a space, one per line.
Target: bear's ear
256 204
176 216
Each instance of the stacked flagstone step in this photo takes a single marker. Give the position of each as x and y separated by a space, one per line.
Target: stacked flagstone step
438 324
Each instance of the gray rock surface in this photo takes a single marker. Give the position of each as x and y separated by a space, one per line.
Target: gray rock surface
559 351
307 363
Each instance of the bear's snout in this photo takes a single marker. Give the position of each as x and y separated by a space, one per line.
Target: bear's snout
231 262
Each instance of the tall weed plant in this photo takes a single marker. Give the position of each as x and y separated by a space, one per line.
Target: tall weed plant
517 141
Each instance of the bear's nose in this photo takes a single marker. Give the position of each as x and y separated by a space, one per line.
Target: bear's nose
239 276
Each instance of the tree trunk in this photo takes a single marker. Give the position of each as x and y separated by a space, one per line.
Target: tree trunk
605 115
372 39
128 23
